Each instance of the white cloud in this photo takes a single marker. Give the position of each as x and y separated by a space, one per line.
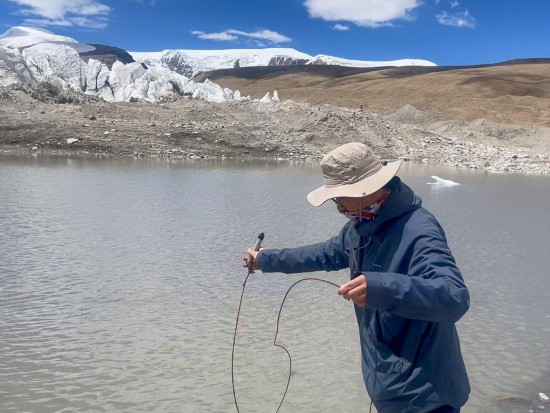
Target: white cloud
57 9
340 27
97 23
85 13
93 9
47 22
454 4
368 13
151 2
231 34
460 19
268 35
223 36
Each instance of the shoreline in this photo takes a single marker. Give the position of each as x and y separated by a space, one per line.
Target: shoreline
284 131
305 159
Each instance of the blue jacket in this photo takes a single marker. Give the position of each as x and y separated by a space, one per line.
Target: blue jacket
410 351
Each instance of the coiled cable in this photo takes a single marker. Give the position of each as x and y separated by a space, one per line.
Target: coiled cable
274 340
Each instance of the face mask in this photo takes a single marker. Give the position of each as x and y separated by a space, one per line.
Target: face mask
367 213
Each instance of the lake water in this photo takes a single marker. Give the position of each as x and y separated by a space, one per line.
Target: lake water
120 281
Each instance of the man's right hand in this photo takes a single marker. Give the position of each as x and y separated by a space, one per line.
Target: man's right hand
251 259
355 290
253 253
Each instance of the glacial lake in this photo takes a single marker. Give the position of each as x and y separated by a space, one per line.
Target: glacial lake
120 282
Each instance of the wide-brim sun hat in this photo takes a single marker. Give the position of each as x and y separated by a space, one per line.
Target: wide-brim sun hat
352 170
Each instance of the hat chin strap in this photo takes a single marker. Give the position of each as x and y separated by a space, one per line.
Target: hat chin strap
361 210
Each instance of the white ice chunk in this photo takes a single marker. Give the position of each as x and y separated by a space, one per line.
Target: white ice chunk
267 98
440 182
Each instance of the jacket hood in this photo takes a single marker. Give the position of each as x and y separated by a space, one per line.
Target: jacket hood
402 199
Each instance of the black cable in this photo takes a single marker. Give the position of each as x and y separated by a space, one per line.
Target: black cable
234 340
277 332
274 340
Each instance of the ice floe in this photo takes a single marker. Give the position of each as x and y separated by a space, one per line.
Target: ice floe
440 182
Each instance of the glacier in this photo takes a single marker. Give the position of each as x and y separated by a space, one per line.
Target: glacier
29 55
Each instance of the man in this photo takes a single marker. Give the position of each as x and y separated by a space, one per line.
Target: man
407 290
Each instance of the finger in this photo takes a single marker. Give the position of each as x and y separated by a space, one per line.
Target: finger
344 288
359 300
352 289
357 292
361 303
350 285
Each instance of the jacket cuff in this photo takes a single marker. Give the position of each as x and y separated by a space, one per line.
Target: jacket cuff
378 294
263 261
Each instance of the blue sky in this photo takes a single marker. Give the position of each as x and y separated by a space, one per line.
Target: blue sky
447 32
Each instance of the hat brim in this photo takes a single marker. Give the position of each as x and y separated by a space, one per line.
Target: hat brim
364 187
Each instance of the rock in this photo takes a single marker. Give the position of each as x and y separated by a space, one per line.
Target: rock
70 141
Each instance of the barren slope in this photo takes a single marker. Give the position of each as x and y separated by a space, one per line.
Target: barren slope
511 93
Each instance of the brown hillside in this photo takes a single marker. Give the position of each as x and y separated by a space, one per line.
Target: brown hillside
512 93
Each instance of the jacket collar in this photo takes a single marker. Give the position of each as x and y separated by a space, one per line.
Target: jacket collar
402 199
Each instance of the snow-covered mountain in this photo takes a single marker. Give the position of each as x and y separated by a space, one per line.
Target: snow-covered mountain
330 60
22 37
29 55
193 62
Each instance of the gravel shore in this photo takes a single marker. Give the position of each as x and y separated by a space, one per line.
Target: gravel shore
187 128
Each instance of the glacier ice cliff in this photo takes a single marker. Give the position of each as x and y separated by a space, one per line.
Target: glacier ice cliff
30 56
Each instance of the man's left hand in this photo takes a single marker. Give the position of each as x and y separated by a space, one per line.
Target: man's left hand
355 290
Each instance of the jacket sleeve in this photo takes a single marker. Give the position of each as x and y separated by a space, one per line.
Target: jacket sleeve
433 289
331 255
